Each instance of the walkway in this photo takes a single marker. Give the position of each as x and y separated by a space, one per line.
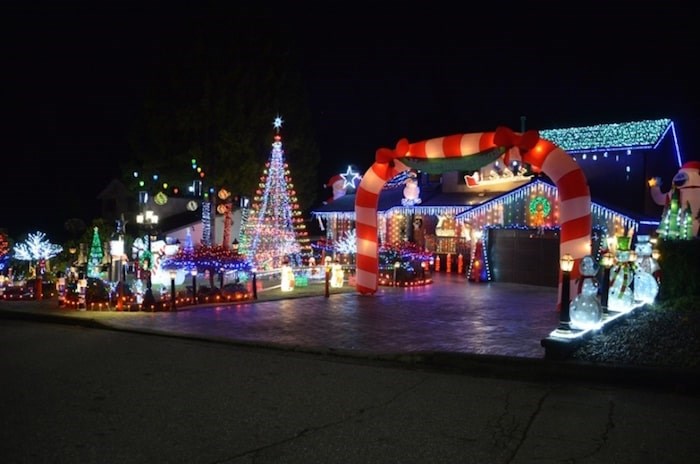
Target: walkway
451 315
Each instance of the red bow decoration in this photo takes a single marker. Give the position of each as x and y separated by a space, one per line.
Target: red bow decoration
505 137
516 143
387 155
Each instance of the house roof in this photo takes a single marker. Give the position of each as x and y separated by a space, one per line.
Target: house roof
535 183
389 198
115 189
610 137
634 135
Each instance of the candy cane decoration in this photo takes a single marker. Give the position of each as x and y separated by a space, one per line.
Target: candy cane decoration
542 155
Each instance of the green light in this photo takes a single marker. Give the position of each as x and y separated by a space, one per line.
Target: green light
141 183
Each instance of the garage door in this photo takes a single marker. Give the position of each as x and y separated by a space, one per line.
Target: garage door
524 256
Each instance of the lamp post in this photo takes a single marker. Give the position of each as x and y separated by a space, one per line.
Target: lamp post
607 261
255 283
194 286
173 274
122 283
60 287
631 261
396 268
116 251
148 220
567 264
327 264
82 292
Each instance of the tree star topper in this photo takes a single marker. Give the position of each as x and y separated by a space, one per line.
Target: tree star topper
350 177
278 123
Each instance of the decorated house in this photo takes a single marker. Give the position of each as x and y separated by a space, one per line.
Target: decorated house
506 215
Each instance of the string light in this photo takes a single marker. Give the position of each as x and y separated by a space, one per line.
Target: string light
607 137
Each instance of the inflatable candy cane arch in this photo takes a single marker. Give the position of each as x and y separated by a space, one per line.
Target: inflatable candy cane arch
542 155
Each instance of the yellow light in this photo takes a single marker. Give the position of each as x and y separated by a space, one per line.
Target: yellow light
607 260
566 263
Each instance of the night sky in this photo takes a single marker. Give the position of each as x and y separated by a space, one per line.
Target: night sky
74 78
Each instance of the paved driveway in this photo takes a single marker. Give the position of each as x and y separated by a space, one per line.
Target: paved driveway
451 315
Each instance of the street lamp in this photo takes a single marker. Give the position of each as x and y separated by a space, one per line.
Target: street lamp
116 251
567 264
173 274
148 220
82 292
607 261
194 286
327 264
255 283
396 268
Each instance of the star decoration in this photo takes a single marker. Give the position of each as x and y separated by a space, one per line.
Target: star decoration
278 123
350 177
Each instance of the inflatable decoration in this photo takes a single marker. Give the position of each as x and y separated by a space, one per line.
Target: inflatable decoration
686 183
337 183
411 191
542 155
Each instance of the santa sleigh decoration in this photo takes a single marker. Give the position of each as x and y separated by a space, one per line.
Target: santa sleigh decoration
497 182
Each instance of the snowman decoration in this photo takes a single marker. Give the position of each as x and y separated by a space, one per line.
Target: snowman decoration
585 310
411 191
646 287
621 295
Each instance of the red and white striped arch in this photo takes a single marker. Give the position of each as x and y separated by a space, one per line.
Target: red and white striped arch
542 155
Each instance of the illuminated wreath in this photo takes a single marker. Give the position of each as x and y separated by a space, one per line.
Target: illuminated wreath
540 203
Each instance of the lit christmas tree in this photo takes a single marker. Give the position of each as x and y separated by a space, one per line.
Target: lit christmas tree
676 222
687 225
275 231
96 254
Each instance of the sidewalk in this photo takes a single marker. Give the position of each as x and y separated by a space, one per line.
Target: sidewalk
492 328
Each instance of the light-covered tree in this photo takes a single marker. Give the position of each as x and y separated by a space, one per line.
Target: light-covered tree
36 249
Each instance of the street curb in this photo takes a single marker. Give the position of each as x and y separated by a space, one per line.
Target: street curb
684 381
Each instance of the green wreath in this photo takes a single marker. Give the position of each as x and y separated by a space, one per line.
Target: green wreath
537 201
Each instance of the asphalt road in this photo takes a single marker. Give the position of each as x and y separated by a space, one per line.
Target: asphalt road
73 394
